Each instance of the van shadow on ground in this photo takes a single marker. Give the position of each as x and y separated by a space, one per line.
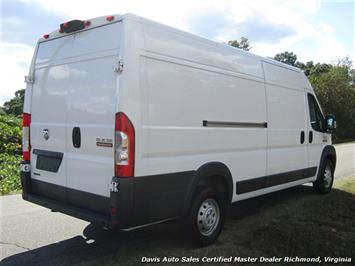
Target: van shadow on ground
287 223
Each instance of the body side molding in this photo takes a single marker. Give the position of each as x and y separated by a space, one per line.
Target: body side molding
206 123
253 184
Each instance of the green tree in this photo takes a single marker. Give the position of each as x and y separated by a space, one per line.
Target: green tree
15 105
305 67
334 86
336 93
2 111
287 58
10 150
10 135
314 69
320 69
243 44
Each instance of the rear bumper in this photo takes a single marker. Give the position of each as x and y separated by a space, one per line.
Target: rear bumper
86 206
136 201
80 213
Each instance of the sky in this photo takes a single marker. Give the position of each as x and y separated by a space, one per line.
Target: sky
317 30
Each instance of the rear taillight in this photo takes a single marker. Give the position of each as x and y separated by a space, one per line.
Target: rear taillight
124 146
26 144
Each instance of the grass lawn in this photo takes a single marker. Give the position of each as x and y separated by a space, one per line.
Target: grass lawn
346 184
294 222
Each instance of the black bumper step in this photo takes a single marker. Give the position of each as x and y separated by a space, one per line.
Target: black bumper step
80 213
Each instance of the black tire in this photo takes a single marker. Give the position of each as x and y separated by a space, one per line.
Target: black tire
324 182
205 203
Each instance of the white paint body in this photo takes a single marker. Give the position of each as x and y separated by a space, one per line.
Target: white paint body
171 81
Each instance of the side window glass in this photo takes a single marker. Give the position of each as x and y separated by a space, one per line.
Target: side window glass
320 118
316 117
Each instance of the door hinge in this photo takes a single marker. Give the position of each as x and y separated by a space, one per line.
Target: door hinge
30 79
118 67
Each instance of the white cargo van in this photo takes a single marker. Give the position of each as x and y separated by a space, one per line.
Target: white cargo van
128 122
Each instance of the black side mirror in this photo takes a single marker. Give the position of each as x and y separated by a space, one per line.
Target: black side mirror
330 123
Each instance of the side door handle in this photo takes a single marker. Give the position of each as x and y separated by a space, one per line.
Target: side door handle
310 136
302 137
76 137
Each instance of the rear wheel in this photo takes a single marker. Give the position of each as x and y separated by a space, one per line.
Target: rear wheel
324 182
206 218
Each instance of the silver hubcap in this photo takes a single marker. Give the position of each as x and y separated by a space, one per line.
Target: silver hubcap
208 217
327 176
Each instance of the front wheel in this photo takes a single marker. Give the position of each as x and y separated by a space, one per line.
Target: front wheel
324 182
206 218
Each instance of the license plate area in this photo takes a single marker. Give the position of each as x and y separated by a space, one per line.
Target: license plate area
48 160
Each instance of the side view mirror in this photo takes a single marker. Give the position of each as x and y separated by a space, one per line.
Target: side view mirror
330 123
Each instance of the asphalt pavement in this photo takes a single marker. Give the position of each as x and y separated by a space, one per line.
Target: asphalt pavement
345 160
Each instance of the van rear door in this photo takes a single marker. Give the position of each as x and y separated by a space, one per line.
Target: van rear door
74 102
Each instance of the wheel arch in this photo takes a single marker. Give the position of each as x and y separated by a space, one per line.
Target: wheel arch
327 153
215 174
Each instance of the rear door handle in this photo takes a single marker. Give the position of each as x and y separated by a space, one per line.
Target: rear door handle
310 136
76 137
302 137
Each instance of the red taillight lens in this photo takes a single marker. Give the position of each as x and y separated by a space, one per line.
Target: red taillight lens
26 144
124 146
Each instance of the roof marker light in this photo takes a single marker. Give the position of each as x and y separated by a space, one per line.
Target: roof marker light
110 18
46 36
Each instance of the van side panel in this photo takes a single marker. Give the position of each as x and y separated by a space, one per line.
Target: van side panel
179 89
287 120
172 42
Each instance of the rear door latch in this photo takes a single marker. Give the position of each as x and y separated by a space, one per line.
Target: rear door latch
118 67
